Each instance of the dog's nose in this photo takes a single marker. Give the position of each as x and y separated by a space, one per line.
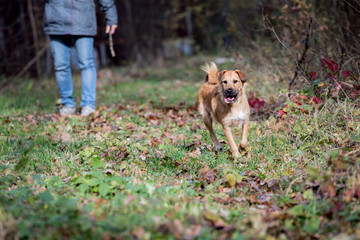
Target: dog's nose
230 91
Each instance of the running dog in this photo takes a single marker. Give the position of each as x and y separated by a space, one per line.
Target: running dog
222 98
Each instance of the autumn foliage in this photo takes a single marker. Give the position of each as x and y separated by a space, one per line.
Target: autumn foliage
143 165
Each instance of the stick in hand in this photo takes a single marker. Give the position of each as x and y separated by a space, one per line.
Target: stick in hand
110 30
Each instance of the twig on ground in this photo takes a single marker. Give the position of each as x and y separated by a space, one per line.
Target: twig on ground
292 183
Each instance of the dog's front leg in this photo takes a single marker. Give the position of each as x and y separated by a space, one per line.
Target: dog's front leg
245 130
230 139
208 123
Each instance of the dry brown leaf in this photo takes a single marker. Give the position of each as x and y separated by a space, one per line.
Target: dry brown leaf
129 199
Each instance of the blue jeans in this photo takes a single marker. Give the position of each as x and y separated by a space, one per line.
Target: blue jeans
60 48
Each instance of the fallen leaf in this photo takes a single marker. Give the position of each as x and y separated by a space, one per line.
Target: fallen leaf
129 199
216 221
231 179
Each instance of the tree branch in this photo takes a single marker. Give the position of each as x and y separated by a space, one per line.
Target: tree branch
298 68
32 61
35 34
111 45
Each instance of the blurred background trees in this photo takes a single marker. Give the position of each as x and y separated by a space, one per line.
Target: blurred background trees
302 32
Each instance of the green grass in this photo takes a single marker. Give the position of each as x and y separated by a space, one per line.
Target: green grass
143 166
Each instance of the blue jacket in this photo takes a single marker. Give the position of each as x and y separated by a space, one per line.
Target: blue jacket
76 17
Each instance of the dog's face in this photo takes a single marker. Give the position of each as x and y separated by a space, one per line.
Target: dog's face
231 84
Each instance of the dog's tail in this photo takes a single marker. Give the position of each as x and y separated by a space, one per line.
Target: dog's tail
211 70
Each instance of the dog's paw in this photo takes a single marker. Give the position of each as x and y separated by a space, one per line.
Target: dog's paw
244 149
242 146
219 148
237 155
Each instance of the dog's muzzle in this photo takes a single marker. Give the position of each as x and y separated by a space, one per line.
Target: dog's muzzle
230 95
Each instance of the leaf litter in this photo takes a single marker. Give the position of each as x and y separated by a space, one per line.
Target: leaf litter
145 171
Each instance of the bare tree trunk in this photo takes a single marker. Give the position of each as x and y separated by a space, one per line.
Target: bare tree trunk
103 55
136 54
2 37
35 35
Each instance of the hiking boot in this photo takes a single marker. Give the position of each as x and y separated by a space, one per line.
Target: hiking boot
86 111
65 110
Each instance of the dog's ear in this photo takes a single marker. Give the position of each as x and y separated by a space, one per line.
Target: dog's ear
241 76
220 75
207 78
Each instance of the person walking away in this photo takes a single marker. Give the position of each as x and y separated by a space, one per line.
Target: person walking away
73 23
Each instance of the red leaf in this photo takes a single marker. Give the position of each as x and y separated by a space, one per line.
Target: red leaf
295 100
331 77
316 100
312 75
357 191
303 97
255 103
281 113
346 74
354 93
332 65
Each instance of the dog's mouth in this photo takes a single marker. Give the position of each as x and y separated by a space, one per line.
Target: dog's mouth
230 98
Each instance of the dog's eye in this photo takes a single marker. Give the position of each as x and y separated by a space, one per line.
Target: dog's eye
236 81
225 82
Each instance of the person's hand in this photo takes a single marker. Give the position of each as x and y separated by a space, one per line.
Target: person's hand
110 29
